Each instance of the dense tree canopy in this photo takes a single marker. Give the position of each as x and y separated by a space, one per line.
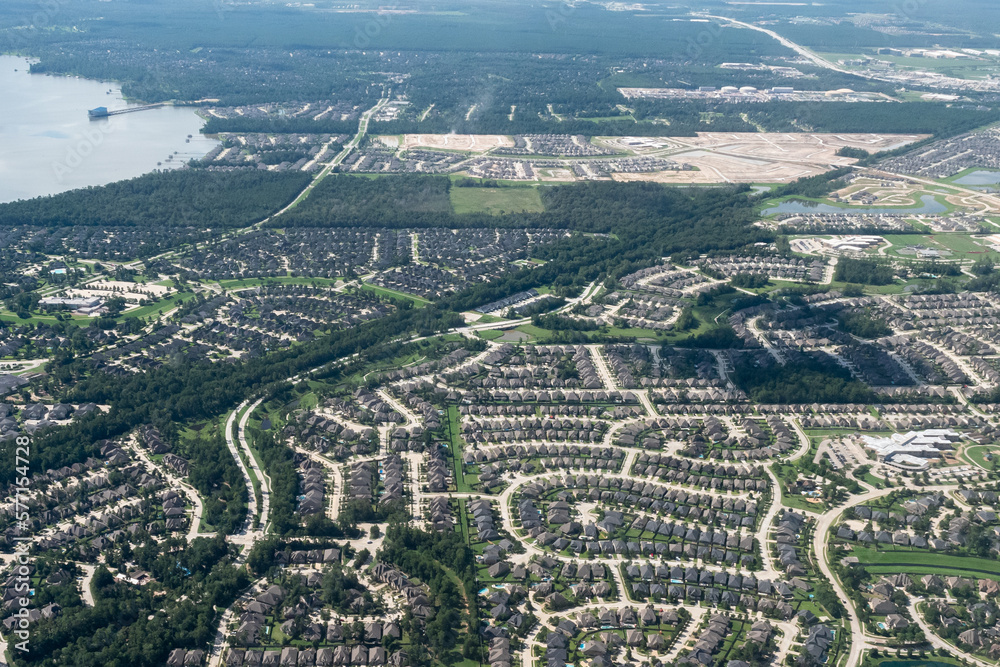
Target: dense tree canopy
208 200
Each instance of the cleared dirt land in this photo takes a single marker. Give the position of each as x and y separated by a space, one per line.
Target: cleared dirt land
457 142
742 157
716 157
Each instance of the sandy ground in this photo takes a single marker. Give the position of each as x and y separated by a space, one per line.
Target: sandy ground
107 289
799 145
743 157
637 144
158 290
461 142
719 157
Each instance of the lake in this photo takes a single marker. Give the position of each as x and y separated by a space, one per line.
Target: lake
928 206
979 177
50 145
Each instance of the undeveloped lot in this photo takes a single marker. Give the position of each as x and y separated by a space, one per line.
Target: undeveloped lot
797 146
747 157
709 157
458 142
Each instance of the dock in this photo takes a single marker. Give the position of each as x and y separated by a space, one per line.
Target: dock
104 112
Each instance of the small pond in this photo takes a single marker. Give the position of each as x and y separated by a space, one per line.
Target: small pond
928 206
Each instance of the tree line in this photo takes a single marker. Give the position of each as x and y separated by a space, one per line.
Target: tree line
179 198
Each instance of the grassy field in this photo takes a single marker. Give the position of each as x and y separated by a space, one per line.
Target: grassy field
961 245
8 316
921 560
965 172
417 301
160 306
894 288
284 280
163 305
977 455
496 200
935 661
871 479
962 69
455 447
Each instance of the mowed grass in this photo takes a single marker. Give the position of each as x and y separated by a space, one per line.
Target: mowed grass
161 306
922 561
496 200
284 280
383 291
977 454
959 244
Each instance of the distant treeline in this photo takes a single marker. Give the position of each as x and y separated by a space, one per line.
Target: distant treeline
649 118
245 125
180 198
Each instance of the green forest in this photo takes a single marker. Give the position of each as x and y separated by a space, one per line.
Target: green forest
183 198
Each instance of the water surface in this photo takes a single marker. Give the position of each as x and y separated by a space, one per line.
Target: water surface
928 206
49 145
979 177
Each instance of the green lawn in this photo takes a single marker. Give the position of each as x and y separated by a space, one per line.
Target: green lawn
455 447
977 454
906 561
962 69
284 280
496 200
160 306
934 661
632 332
8 316
961 245
417 301
534 332
872 480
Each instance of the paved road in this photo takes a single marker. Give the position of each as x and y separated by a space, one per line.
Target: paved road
328 169
765 526
265 481
601 365
764 340
85 585
252 500
939 643
247 535
178 484
801 50
586 297
859 639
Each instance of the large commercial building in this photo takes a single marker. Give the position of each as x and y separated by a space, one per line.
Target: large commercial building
913 448
84 306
